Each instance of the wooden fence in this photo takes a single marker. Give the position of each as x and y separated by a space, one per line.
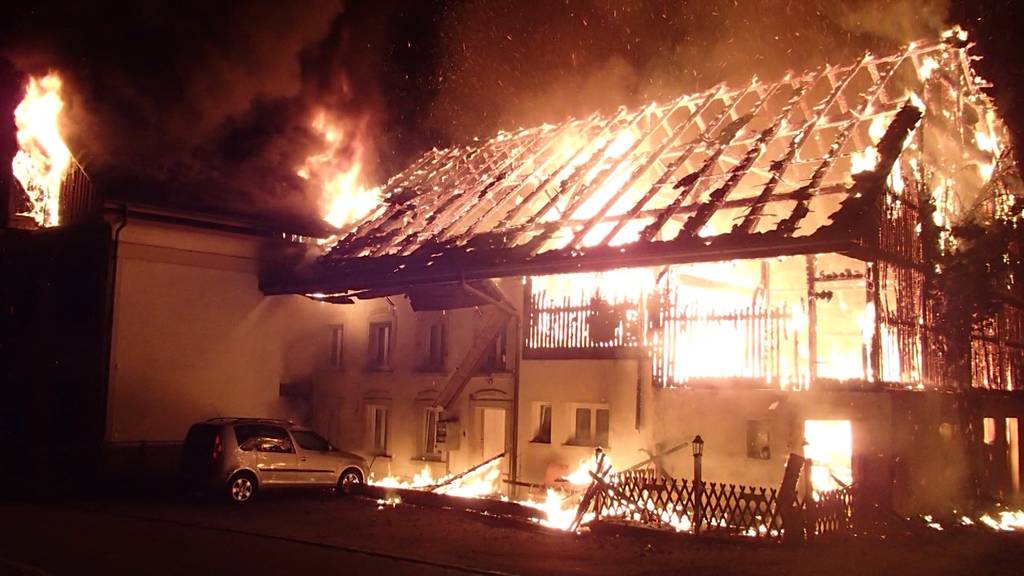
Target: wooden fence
644 497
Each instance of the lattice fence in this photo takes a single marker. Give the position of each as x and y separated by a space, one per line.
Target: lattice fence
644 497
831 512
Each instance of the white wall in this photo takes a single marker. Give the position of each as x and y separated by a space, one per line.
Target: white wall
194 338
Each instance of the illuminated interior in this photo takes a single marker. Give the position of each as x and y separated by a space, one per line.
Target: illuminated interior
829 444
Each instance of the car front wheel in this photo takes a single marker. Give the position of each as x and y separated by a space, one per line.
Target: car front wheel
242 488
349 478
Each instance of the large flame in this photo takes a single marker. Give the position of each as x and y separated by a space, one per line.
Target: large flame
337 169
485 482
43 157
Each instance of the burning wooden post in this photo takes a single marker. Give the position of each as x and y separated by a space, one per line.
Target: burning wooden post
792 516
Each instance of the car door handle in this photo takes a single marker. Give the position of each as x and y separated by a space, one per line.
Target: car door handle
302 458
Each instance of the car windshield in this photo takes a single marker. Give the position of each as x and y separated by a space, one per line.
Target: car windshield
311 441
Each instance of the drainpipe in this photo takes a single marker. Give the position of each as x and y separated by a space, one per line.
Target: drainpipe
111 297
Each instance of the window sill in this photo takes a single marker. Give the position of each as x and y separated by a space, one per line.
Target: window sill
433 371
428 459
541 442
385 369
591 446
387 457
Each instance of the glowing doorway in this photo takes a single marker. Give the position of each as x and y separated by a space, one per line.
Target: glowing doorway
830 446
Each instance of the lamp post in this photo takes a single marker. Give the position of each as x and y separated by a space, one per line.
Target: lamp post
698 484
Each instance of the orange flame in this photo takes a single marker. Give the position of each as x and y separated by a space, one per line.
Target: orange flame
346 197
43 158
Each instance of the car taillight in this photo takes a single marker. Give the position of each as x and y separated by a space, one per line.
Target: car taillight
218 448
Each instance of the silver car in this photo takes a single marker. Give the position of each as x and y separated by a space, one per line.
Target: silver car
240 456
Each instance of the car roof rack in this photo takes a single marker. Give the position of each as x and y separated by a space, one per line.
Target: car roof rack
237 419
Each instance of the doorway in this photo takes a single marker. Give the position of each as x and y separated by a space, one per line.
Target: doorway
829 444
492 432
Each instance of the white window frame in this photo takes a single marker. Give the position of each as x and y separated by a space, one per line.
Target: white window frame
430 323
428 436
593 439
379 440
538 419
336 352
377 363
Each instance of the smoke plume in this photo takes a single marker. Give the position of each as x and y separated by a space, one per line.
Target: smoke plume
210 103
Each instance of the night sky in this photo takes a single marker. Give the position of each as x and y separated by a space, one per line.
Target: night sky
208 104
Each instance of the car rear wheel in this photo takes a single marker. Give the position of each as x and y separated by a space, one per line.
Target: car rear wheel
242 488
349 478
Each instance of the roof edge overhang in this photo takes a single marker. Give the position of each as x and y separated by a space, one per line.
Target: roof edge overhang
500 265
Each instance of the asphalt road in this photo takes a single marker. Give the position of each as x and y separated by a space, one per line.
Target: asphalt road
321 533
48 539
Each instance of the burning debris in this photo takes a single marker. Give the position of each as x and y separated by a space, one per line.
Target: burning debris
558 507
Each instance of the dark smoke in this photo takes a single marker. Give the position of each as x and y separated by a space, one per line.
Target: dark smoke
197 102
209 103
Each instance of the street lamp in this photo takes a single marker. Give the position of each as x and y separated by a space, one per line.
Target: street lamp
698 484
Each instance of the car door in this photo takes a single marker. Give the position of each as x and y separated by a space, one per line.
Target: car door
277 459
315 458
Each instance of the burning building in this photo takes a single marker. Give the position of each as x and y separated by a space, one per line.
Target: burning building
760 265
756 264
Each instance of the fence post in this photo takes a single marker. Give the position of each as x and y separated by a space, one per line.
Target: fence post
792 524
810 506
698 484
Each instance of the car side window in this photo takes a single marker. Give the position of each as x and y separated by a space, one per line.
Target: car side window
247 436
274 439
311 441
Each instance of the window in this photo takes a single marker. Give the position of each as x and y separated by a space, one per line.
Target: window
435 344
430 447
263 438
379 430
543 432
381 335
336 354
989 425
497 355
308 440
244 434
758 440
590 427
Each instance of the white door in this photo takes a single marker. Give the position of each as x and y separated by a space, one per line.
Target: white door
493 432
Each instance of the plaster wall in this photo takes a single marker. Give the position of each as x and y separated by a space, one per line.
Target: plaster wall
193 336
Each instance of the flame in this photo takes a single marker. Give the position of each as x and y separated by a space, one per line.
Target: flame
1008 521
1002 521
560 507
928 65
346 198
43 158
830 447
